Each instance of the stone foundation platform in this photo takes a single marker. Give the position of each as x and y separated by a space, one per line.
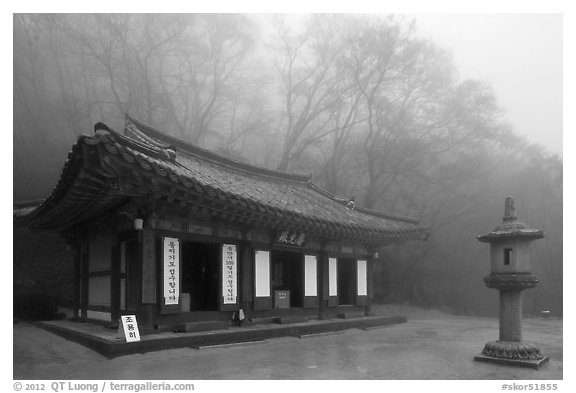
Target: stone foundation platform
105 341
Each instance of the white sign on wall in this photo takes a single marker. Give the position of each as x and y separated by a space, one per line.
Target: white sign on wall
129 328
332 277
262 273
310 284
362 278
229 273
171 248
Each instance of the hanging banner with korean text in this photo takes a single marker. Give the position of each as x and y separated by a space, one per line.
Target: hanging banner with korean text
171 247
129 328
229 273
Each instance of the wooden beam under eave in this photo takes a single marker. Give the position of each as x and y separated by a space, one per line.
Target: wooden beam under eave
84 174
155 184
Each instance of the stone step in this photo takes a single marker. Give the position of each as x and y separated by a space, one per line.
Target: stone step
351 314
376 327
227 345
263 320
291 319
312 335
189 327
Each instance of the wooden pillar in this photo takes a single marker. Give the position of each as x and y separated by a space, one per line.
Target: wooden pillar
77 277
247 282
370 284
322 284
115 284
149 268
144 312
84 273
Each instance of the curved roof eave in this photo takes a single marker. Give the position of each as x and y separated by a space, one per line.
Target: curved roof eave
372 226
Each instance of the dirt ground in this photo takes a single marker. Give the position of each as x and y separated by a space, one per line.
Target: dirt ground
432 345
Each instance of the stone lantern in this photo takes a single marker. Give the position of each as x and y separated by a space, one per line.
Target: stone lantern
510 273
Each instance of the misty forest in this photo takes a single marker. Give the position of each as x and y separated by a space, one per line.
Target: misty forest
361 103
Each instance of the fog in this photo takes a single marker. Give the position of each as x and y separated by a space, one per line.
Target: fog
520 55
368 105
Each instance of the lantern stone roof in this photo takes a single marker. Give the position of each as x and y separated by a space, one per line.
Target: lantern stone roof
105 170
511 227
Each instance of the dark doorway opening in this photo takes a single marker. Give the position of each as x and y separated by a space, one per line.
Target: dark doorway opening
288 275
346 281
200 275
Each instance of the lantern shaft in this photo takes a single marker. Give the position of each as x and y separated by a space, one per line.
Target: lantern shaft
511 316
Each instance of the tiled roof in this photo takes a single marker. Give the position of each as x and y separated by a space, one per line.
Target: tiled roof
196 176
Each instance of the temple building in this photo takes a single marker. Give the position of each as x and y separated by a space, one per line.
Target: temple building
176 234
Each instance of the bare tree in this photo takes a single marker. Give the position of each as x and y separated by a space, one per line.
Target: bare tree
310 86
204 78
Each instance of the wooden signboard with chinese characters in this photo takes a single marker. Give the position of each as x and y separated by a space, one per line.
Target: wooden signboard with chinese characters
129 329
290 238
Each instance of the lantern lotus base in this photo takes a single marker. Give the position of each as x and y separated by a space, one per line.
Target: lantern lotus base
512 353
